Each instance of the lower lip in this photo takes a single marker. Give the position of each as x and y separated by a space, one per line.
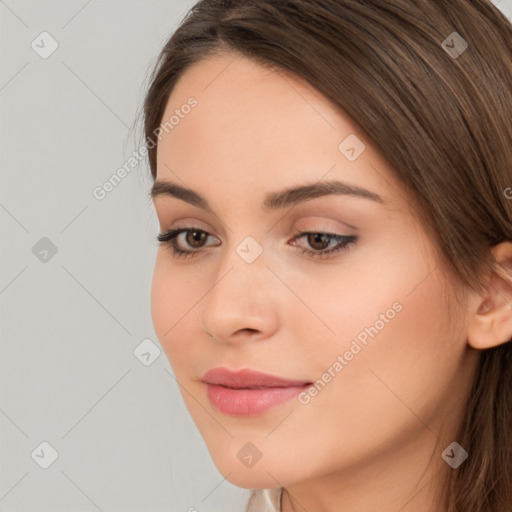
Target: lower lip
250 402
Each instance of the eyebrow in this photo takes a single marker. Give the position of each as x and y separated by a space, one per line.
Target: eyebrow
274 200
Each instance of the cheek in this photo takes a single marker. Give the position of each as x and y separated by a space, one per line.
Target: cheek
395 380
171 299
163 300
175 295
393 333
376 286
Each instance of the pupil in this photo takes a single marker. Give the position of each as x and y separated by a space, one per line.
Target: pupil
318 237
196 236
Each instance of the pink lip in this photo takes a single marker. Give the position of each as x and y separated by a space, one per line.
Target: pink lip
247 392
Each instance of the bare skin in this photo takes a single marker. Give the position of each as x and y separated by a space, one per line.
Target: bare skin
367 440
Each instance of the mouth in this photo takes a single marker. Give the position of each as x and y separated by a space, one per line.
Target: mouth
248 379
249 393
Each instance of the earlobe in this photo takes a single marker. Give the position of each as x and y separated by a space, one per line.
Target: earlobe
491 323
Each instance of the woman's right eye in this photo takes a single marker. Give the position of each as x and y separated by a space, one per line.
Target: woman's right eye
193 237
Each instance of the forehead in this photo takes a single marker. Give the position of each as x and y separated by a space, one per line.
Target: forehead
235 92
242 76
260 127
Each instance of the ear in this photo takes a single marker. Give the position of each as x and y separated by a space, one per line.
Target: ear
491 324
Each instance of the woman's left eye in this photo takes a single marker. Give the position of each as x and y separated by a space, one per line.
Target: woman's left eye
324 240
195 238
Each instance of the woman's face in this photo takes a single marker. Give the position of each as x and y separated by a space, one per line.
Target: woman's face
367 327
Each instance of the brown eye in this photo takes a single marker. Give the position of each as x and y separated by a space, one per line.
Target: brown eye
195 239
192 238
318 241
324 245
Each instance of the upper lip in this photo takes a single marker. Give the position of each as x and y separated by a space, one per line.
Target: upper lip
247 378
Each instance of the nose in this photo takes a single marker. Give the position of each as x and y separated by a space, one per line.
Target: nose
241 303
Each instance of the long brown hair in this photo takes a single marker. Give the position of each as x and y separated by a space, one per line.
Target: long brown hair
443 121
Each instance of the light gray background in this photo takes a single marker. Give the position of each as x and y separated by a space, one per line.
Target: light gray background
70 322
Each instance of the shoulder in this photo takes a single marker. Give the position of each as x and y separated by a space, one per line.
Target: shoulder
265 500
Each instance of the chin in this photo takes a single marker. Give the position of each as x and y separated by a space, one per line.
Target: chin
267 472
251 479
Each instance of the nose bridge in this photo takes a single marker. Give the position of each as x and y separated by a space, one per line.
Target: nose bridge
241 294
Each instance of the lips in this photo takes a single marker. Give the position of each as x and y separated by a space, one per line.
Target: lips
248 379
249 393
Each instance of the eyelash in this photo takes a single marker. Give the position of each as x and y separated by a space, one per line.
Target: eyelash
168 239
